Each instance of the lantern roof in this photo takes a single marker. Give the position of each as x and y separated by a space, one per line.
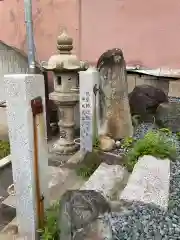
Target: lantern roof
65 60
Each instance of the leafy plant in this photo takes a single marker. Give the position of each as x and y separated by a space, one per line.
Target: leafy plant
51 229
127 142
178 135
96 143
165 131
154 143
4 149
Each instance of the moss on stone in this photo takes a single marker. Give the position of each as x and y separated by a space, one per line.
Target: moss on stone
4 149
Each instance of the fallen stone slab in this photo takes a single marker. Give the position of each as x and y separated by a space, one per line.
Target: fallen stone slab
149 182
107 180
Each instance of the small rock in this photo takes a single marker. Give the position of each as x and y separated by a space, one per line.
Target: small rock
106 143
118 144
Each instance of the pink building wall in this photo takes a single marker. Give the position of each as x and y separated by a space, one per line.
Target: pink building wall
147 31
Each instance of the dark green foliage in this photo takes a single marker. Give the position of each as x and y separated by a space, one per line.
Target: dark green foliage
4 149
155 143
96 143
165 131
178 135
51 229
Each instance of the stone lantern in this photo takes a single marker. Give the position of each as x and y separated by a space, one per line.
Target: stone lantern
65 67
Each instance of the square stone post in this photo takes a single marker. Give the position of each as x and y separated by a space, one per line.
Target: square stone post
20 90
89 103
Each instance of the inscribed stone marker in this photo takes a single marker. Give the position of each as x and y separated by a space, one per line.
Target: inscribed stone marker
20 90
89 80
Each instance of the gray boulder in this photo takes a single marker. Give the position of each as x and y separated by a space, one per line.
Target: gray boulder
144 100
168 116
79 214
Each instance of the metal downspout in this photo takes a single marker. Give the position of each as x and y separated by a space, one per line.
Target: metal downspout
29 35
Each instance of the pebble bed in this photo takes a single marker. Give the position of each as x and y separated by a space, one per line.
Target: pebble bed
147 221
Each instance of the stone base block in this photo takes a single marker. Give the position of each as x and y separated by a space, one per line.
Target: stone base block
63 147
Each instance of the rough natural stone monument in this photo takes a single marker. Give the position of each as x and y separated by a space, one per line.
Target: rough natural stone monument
149 182
114 105
79 210
168 116
144 100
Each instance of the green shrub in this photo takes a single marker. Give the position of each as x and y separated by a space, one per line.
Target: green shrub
4 149
96 143
51 229
178 135
154 143
127 142
165 131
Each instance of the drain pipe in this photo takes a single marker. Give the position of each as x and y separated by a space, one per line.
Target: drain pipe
29 35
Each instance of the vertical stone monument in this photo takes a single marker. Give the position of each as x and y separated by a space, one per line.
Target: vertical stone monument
114 104
28 141
89 102
65 67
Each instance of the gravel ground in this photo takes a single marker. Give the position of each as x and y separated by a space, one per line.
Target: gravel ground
147 221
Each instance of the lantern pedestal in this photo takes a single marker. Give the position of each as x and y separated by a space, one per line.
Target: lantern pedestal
65 104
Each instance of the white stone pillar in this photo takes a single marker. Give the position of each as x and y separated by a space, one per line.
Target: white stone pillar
20 90
88 80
